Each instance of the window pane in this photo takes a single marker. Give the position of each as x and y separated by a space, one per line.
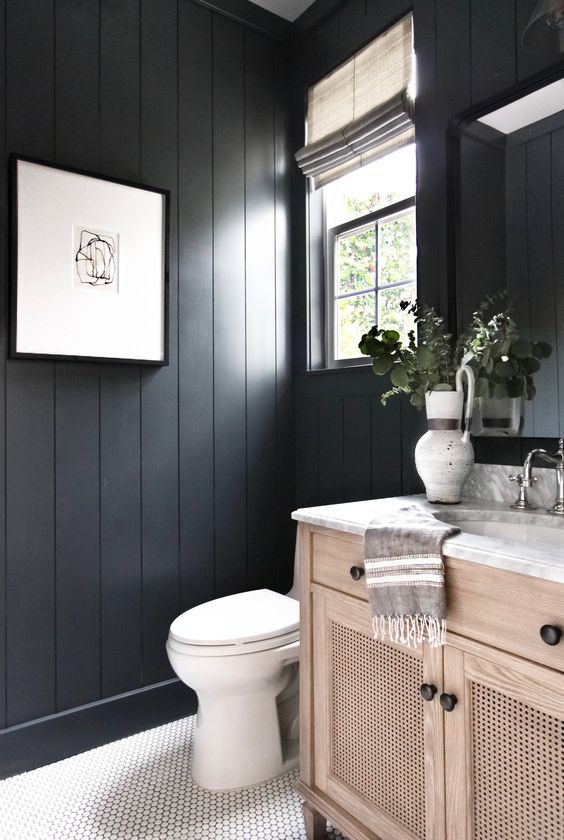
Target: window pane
390 315
355 254
371 187
396 251
355 315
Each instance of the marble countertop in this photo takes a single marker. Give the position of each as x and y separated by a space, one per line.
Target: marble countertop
538 559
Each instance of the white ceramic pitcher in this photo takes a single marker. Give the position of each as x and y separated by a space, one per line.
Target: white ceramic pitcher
444 455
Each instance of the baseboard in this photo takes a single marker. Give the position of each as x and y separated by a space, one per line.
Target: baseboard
43 741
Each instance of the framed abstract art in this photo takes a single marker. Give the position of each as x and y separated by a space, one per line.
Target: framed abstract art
89 266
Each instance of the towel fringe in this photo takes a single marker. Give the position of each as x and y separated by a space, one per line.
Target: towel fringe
410 630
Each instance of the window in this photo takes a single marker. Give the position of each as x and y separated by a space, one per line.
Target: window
370 252
360 156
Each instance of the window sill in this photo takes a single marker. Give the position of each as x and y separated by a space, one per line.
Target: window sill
344 369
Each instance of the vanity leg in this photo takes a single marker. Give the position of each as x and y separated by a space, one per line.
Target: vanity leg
315 823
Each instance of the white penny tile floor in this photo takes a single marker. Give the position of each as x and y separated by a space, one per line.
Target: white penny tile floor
140 788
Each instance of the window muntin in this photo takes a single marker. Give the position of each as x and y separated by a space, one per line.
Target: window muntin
371 253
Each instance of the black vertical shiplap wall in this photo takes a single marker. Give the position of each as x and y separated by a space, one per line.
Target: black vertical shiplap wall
467 51
196 305
133 493
30 407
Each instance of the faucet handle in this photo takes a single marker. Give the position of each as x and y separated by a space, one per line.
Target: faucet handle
521 480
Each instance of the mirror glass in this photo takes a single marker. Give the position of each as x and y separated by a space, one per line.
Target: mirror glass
509 234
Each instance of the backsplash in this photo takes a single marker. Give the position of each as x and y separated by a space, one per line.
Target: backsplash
491 482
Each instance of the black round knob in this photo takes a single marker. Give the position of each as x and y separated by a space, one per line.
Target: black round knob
448 702
427 691
357 572
550 634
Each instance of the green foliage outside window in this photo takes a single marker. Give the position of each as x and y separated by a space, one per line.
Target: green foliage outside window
356 256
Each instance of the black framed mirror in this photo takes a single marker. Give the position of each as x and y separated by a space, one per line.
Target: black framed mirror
506 219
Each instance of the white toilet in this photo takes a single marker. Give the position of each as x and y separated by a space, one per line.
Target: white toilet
240 655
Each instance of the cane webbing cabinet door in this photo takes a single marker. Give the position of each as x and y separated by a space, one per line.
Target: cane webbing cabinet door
373 744
504 746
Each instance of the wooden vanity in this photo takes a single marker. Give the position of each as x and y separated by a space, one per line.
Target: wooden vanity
482 758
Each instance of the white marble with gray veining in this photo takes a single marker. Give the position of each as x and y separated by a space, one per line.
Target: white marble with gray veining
491 481
525 557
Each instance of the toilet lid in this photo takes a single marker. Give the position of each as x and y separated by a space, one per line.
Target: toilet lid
238 619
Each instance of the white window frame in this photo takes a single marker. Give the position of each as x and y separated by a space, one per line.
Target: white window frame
356 225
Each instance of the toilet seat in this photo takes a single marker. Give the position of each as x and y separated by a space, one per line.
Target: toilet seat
247 622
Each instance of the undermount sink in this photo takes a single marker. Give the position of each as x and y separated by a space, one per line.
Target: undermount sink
515 527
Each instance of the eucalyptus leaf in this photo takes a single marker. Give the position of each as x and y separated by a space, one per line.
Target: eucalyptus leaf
515 387
399 376
413 369
531 365
505 370
500 390
496 349
370 345
382 364
425 357
390 337
542 350
521 349
530 391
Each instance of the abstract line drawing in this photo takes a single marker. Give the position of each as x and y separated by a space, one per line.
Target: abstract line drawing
96 257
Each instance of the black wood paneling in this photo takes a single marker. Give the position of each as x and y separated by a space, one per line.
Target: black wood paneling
558 252
134 493
466 51
159 389
492 47
285 419
30 465
541 281
42 741
357 444
195 305
77 535
230 434
4 215
507 237
260 233
331 449
120 512
77 387
480 250
120 385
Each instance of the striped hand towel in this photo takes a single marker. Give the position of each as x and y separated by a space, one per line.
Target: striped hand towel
405 575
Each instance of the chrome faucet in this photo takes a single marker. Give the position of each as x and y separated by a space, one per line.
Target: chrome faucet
557 461
525 479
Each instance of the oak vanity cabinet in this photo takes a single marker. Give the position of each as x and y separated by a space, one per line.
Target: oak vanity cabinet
480 758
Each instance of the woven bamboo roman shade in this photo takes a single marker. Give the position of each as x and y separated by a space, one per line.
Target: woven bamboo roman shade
362 110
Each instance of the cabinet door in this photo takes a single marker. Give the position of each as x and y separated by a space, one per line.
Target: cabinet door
504 746
377 742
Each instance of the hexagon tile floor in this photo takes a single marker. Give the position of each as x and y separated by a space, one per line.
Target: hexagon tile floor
140 788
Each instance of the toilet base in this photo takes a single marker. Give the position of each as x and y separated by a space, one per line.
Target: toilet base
249 740
289 764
